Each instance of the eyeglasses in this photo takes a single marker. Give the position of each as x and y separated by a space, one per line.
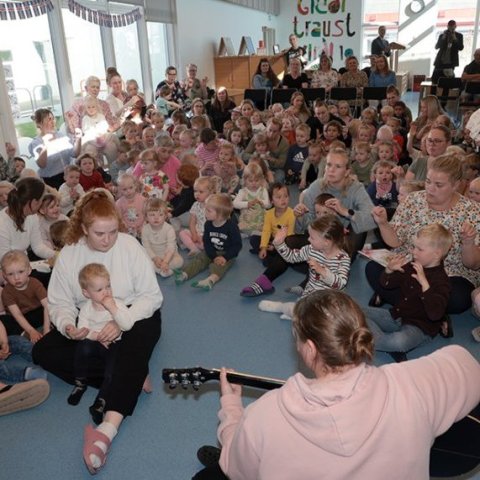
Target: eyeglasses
435 141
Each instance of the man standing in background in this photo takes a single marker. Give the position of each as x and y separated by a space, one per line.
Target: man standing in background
449 44
380 46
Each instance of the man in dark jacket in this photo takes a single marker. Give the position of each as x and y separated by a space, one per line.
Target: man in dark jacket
449 44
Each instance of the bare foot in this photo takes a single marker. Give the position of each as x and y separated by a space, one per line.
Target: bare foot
147 385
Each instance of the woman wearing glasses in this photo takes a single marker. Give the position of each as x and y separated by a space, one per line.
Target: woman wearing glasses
436 143
441 203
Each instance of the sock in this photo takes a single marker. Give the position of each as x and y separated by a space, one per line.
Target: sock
77 392
268 306
167 273
180 276
206 283
296 290
110 431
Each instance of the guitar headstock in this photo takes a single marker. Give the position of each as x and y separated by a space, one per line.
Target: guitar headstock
189 376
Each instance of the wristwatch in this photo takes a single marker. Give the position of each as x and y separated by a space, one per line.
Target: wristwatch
351 212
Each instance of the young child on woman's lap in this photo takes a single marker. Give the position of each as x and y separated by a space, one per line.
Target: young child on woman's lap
158 238
222 243
424 289
329 263
99 309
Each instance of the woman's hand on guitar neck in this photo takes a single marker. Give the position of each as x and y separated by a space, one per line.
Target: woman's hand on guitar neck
226 387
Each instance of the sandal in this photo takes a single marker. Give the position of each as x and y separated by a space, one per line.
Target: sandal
89 448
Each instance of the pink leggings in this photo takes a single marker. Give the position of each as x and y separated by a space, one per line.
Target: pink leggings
186 238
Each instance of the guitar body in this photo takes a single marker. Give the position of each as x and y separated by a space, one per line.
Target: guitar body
454 453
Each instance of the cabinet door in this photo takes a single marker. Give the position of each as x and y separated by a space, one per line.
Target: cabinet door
223 72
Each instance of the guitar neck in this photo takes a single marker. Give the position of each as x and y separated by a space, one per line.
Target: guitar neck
197 375
265 383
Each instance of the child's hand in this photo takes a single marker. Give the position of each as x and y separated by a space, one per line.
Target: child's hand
395 263
109 332
226 387
281 235
302 184
164 266
220 261
4 351
300 210
413 128
75 333
74 194
379 215
157 262
262 253
398 171
420 276
317 267
195 237
336 205
34 335
467 233
109 304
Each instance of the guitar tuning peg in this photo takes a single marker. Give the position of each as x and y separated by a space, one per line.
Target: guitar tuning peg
184 382
196 380
173 381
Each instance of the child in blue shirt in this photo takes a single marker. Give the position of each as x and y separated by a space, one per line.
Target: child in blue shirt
222 243
296 155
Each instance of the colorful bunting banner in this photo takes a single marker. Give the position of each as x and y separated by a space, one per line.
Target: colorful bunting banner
24 10
101 18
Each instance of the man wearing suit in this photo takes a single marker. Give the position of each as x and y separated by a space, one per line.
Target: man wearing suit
449 43
380 46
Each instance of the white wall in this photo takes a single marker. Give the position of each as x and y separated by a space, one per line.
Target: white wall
201 24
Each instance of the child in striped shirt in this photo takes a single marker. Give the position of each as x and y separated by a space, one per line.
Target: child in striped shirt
329 263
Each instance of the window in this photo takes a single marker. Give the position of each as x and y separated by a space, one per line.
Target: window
29 70
158 51
85 53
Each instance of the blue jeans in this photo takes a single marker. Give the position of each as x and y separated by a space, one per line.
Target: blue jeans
389 333
12 369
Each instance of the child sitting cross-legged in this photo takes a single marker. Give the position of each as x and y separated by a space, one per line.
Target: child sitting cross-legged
252 200
24 297
158 238
420 313
329 263
222 243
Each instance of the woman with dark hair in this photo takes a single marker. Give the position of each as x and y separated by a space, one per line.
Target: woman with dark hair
219 108
178 93
351 417
51 149
264 76
19 227
118 99
93 235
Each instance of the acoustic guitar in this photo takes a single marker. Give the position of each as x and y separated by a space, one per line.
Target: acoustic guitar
455 453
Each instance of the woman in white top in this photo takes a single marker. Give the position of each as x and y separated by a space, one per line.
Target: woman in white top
19 227
118 100
325 77
93 236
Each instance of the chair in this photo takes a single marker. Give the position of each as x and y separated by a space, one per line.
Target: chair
444 94
346 93
282 95
258 96
471 88
312 94
374 93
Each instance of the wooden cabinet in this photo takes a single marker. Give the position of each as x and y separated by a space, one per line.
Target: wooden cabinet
237 72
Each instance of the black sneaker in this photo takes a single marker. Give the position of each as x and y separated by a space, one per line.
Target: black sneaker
77 393
446 330
208 455
96 410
